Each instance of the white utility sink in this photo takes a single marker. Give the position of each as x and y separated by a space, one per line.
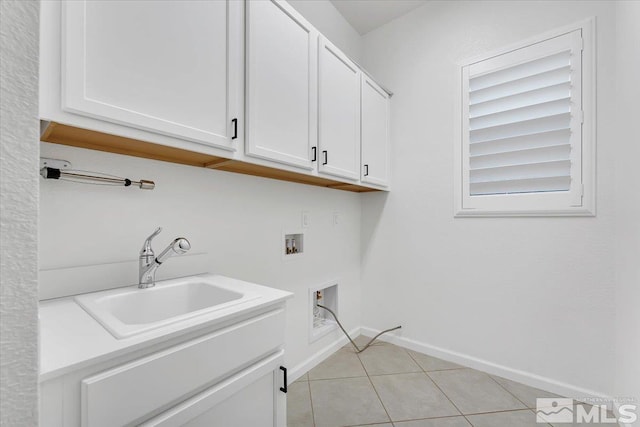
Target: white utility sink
129 311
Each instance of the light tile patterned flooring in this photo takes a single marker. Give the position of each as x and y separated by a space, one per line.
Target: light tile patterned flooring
388 386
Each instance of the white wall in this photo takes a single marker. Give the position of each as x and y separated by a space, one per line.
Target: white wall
326 18
627 234
236 220
528 294
18 214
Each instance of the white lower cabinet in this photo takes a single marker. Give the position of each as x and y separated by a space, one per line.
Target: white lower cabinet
249 398
226 377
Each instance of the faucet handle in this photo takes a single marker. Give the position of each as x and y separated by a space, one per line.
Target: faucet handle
146 248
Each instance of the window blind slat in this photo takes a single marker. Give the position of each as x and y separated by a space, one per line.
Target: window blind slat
526 127
525 99
533 155
525 171
535 185
517 72
519 115
538 81
505 145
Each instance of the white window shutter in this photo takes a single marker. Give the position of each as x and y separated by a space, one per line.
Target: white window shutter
522 119
520 113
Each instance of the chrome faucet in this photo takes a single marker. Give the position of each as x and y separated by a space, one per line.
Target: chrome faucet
149 263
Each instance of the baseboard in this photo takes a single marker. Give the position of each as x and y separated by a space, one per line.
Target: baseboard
527 378
308 364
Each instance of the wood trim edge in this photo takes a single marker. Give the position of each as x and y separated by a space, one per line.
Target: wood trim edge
58 133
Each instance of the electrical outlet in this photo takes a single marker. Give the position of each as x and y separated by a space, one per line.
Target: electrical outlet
306 219
336 218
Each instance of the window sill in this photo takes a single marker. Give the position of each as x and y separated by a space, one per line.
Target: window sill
482 213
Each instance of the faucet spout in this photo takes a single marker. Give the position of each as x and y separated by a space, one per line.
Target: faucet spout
149 263
178 247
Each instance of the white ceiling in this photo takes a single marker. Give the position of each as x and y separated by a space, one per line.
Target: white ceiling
367 15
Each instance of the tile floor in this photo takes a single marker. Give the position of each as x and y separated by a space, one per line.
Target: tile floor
388 386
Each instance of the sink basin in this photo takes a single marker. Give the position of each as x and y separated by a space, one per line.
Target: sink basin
129 311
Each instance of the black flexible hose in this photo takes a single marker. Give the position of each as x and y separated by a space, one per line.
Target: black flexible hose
358 350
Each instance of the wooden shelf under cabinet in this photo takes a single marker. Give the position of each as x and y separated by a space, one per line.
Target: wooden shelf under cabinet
58 133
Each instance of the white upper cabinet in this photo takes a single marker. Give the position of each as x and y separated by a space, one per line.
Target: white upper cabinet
281 98
339 113
375 134
169 67
245 86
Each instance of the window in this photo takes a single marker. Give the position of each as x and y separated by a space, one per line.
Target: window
527 140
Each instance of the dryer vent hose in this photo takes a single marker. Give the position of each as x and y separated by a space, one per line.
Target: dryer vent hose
358 350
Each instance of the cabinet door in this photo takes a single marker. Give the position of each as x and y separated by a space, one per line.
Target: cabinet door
159 379
375 133
171 67
249 398
281 84
339 112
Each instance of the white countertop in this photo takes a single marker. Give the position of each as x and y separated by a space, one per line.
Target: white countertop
71 339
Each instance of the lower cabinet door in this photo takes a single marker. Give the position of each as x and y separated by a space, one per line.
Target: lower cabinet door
251 397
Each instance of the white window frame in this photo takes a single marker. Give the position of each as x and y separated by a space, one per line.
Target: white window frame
532 204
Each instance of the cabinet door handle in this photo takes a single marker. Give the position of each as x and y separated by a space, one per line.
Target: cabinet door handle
284 389
326 157
235 128
366 170
315 154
